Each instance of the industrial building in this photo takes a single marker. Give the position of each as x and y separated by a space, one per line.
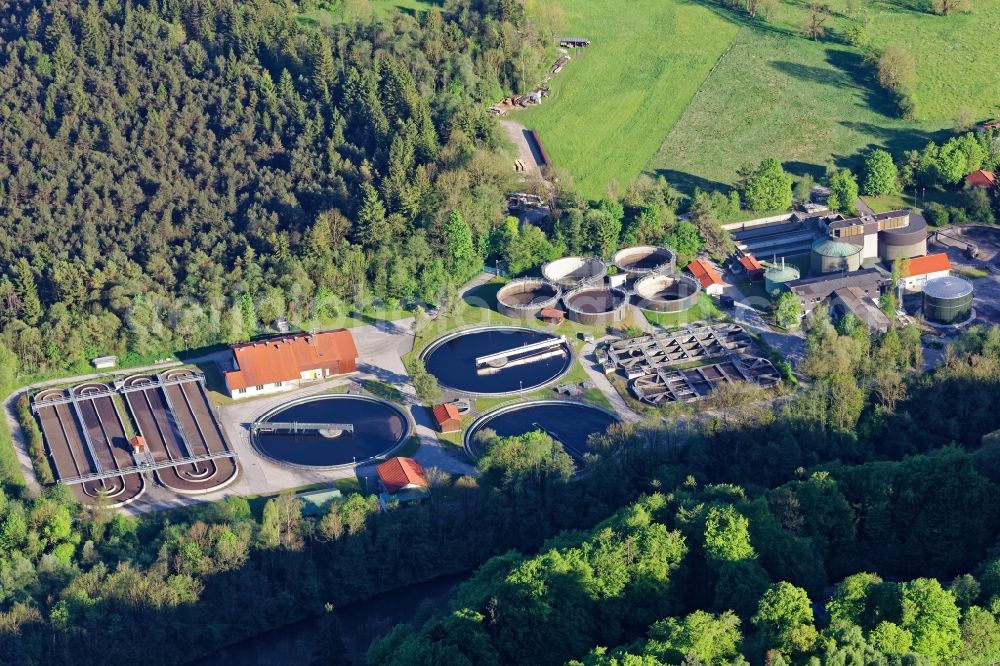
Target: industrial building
897 234
283 363
855 292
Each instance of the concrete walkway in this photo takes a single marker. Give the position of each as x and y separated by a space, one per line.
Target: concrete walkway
589 362
789 345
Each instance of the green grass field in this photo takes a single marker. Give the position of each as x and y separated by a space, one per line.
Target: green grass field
365 9
950 51
610 107
692 91
806 103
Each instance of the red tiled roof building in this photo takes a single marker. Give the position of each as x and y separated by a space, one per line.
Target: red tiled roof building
398 474
981 178
709 278
275 364
447 417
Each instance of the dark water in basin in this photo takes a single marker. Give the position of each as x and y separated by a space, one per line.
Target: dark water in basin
568 422
378 427
454 362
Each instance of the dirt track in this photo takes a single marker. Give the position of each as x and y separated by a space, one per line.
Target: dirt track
517 133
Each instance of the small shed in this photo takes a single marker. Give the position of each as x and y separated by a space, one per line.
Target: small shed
404 481
447 417
573 42
104 362
753 268
552 316
982 178
315 502
709 278
138 443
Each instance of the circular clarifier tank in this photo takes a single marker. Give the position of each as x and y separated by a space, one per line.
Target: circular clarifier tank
330 431
570 423
497 360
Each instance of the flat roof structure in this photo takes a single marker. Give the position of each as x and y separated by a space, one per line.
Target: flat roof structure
821 286
692 384
645 355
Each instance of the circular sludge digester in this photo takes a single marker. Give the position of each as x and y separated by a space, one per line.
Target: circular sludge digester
948 300
569 423
311 432
497 360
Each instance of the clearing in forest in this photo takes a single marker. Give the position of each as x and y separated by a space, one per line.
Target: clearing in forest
610 107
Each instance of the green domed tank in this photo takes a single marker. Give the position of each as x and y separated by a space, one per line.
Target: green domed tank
777 275
831 256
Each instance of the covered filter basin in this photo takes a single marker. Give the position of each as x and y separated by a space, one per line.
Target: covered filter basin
947 300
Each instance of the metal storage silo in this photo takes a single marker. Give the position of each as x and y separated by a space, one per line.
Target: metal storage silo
947 300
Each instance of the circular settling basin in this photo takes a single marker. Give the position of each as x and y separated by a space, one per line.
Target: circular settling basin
378 428
570 423
453 360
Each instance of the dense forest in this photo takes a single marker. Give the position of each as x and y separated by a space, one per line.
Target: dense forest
181 172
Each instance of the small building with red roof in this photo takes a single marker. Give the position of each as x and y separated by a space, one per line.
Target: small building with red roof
754 269
447 418
984 179
403 480
916 272
552 316
706 274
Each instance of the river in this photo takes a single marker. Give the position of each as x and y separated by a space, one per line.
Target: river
360 624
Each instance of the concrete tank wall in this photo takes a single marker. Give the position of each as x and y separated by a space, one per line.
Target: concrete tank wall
667 293
524 299
645 259
596 306
890 252
572 271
